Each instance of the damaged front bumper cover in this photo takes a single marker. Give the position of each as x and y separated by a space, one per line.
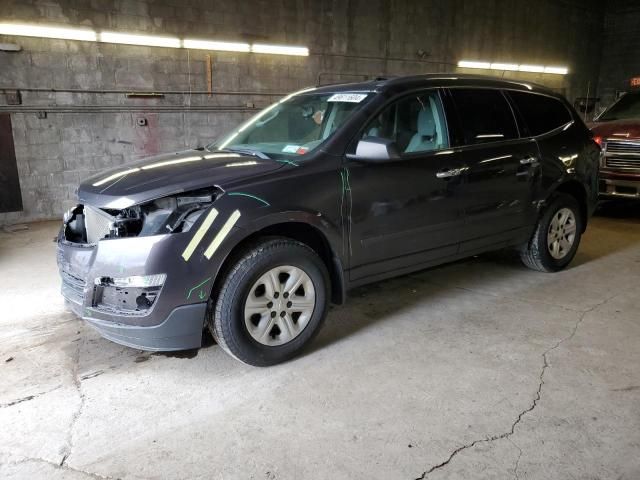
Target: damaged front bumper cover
165 315
182 330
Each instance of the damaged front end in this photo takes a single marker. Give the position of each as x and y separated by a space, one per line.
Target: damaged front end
85 224
122 295
134 256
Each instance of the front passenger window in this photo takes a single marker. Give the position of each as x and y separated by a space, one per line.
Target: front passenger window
415 124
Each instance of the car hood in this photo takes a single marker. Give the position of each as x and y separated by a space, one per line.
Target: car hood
621 129
167 174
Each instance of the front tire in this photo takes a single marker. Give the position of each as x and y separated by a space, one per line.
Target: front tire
557 235
272 302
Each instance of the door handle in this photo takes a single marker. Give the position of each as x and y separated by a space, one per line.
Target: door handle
453 172
529 161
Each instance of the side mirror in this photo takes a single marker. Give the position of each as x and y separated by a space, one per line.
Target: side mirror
375 150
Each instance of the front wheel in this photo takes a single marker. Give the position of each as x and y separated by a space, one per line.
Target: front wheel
271 303
557 236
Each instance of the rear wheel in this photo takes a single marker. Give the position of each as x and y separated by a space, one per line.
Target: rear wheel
271 303
557 236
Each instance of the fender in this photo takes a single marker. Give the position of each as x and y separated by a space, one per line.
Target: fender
254 214
578 176
334 252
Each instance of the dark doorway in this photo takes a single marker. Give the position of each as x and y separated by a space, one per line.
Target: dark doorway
10 196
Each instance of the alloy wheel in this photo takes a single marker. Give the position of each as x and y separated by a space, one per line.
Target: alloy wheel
562 233
279 305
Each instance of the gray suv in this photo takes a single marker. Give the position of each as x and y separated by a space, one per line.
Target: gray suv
327 189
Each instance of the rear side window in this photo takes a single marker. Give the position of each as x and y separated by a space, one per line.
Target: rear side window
541 114
485 115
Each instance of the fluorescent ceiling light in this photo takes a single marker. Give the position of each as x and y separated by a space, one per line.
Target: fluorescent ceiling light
280 50
222 46
47 32
146 40
513 67
532 68
556 70
505 66
467 64
84 34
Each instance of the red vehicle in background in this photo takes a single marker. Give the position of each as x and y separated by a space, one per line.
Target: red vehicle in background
617 130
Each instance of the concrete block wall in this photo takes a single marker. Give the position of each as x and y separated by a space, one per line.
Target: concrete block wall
620 58
349 40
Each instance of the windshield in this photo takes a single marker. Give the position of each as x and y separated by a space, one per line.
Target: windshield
295 125
627 107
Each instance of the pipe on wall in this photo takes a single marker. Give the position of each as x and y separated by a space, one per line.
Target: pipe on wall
141 92
122 108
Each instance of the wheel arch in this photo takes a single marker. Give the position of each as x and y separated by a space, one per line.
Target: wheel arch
579 192
310 235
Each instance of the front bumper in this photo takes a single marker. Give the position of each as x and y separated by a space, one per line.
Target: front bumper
182 330
619 185
175 321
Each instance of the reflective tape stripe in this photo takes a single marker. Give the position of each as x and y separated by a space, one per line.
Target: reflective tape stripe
197 238
224 231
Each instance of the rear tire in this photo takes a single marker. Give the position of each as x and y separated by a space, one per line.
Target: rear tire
271 303
557 235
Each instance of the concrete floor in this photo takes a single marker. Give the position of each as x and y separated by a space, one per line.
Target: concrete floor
476 370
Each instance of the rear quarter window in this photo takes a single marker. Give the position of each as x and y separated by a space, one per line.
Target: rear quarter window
541 114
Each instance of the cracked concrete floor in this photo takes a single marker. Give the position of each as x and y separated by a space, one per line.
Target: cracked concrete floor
480 369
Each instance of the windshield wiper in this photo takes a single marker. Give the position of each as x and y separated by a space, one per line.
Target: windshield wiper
246 151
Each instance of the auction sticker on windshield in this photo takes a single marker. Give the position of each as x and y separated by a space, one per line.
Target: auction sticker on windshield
347 97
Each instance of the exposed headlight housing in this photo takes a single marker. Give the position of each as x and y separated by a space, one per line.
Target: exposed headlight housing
172 214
